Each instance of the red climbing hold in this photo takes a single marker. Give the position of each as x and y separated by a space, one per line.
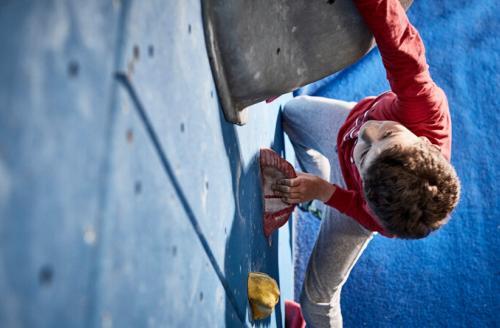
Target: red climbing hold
293 315
273 168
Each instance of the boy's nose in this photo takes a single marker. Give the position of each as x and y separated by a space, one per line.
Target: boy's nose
368 133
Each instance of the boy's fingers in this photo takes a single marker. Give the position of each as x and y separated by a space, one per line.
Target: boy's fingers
289 182
290 200
282 188
287 194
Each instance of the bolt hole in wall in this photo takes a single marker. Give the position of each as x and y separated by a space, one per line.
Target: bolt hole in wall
130 136
135 58
151 51
136 52
174 250
45 275
137 187
278 51
201 296
189 28
73 68
182 127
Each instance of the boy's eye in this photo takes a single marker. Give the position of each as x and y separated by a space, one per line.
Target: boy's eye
387 134
363 155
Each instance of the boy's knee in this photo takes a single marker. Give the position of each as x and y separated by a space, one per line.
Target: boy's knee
295 113
296 105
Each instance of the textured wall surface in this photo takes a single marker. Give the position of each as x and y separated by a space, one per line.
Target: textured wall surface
125 198
450 279
127 201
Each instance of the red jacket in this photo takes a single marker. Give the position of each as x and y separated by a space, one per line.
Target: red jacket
415 101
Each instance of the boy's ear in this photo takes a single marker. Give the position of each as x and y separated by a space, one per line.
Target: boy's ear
425 140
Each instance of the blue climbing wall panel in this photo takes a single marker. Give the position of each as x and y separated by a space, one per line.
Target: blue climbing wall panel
450 279
126 200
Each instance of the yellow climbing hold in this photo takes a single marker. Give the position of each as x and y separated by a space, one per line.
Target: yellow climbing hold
263 294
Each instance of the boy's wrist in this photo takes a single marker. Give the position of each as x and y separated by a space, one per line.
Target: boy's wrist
326 190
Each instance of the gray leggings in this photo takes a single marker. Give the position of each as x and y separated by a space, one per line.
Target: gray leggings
312 124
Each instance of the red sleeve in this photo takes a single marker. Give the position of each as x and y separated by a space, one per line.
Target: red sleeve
351 203
348 202
403 55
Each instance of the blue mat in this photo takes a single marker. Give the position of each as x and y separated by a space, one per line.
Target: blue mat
450 279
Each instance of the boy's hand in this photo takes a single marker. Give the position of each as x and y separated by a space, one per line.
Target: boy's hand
303 188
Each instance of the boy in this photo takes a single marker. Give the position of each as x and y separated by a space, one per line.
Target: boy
390 170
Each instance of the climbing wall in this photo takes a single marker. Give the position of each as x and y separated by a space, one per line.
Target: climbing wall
126 200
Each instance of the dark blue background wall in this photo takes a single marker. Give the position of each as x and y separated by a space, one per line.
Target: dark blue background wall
450 279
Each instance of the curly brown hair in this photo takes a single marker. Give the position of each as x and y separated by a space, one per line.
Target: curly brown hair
412 190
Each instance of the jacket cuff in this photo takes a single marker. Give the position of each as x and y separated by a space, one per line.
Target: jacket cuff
341 199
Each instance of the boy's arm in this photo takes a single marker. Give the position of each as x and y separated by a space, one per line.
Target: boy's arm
306 187
403 55
352 204
348 202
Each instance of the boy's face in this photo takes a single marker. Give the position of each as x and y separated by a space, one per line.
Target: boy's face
376 136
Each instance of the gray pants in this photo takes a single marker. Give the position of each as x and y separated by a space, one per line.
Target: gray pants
312 124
